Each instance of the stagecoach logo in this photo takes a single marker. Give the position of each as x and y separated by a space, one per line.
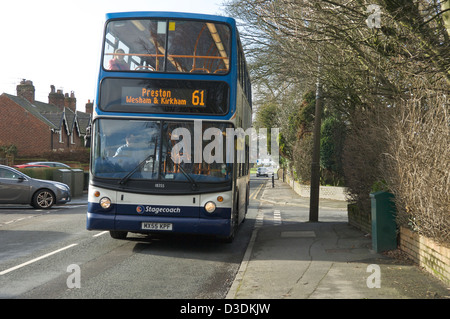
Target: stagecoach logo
140 209
156 210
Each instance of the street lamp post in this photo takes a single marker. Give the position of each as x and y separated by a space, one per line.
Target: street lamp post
315 163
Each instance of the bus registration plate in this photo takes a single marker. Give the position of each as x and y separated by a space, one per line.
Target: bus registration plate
156 226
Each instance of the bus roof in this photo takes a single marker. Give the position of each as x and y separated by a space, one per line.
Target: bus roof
169 15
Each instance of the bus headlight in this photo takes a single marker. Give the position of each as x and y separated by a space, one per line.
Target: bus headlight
105 203
210 207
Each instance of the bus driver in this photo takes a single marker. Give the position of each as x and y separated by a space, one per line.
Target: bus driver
131 145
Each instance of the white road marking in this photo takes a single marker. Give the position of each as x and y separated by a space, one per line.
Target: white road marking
99 234
259 219
35 259
20 219
277 217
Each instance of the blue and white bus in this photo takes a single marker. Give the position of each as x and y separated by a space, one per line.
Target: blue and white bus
171 88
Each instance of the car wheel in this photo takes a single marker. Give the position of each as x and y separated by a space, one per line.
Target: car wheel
116 234
43 198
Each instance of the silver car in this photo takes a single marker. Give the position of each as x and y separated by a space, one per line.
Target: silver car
18 188
262 171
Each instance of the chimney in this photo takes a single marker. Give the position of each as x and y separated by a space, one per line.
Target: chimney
70 102
56 98
89 107
26 90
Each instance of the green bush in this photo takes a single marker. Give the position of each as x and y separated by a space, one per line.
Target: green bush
39 172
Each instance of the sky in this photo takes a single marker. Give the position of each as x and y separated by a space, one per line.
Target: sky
58 42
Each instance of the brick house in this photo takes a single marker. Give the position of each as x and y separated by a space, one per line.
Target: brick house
36 128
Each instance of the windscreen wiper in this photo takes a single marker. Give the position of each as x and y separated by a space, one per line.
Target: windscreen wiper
128 176
189 177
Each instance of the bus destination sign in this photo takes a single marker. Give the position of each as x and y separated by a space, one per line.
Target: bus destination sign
144 96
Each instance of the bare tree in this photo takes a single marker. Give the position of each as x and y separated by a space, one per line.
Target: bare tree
416 162
388 81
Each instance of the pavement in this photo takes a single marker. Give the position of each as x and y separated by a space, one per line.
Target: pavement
289 257
79 200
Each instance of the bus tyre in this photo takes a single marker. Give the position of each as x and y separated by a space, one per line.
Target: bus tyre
230 238
118 234
247 202
234 225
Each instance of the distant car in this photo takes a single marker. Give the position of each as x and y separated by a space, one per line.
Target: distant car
29 166
49 164
18 188
262 171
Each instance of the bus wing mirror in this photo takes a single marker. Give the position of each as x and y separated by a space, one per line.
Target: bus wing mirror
87 137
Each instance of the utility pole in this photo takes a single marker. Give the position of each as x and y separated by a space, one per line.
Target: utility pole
315 164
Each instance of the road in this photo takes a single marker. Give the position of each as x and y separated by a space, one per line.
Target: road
50 254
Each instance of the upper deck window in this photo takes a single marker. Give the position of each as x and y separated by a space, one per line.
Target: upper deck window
149 45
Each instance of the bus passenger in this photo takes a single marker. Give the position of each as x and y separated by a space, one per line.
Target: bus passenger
118 63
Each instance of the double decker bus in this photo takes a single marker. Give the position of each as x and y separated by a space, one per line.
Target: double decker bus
166 156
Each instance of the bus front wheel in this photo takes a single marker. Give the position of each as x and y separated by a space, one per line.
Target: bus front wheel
118 234
234 225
